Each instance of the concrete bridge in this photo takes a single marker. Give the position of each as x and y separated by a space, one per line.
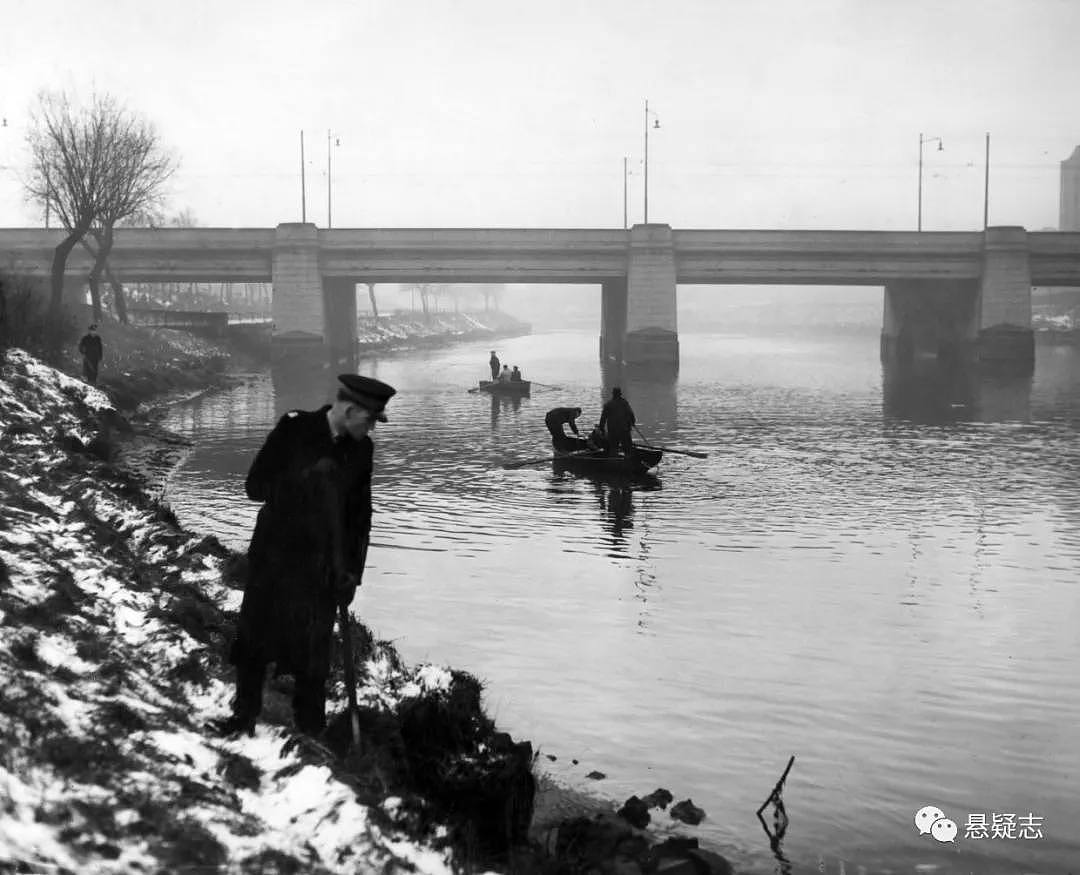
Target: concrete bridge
946 293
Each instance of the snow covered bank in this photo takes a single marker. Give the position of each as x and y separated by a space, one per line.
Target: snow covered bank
112 623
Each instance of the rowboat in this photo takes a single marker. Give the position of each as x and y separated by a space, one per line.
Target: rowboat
513 387
597 463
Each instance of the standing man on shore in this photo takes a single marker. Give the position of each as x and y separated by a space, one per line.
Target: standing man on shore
308 550
90 347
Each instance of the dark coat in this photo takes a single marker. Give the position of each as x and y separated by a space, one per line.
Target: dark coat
617 416
90 347
304 477
558 416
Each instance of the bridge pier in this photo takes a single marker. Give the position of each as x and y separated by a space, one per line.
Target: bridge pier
652 336
928 318
299 317
1005 335
612 319
339 305
987 320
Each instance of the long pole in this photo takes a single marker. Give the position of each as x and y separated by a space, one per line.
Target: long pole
303 184
646 161
329 224
919 220
986 186
624 192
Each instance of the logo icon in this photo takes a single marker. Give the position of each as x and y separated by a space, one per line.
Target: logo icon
931 819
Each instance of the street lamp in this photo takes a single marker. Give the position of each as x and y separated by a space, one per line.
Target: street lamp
656 124
337 142
940 148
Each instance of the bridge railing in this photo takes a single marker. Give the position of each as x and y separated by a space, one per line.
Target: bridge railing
211 324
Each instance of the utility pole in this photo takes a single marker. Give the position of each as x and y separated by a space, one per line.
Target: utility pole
624 192
303 186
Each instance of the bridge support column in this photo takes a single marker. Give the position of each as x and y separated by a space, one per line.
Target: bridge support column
652 336
339 304
1005 336
612 319
928 318
298 312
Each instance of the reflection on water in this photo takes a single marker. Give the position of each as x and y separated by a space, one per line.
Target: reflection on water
931 393
875 571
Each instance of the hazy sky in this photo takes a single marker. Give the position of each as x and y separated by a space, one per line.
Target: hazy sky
800 114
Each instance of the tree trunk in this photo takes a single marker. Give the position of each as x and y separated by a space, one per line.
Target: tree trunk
371 297
118 296
104 240
56 277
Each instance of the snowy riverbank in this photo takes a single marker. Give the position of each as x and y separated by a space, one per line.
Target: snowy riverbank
115 622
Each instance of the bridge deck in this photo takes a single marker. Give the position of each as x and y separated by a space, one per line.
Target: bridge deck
828 257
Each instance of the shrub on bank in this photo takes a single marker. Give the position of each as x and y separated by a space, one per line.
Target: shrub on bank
24 323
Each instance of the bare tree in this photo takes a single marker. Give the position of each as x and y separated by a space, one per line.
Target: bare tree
371 297
92 166
134 186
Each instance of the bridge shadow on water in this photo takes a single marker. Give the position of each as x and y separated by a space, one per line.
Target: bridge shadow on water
932 392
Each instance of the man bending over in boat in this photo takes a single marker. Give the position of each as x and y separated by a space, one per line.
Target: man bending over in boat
515 375
555 419
504 374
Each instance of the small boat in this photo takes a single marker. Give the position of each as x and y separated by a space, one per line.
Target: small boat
599 464
514 387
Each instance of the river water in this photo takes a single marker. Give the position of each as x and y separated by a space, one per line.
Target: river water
877 574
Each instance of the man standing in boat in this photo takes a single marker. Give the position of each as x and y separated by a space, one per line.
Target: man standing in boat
616 421
555 419
495 365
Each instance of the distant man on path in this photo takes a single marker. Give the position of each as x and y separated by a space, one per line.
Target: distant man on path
90 347
308 550
495 365
616 421
558 417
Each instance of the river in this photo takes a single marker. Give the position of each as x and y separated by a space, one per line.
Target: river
876 574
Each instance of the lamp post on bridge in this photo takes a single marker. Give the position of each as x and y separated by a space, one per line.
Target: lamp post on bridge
337 142
940 148
656 124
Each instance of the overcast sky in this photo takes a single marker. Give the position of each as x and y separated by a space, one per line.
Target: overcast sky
497 113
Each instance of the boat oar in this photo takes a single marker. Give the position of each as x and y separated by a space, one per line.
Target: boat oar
545 385
510 466
649 446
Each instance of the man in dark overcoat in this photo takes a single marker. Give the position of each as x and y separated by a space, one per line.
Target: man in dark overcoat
495 365
91 350
313 475
616 420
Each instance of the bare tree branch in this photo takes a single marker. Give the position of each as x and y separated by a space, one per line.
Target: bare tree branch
94 167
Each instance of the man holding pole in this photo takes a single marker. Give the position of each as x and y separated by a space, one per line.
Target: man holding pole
308 550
